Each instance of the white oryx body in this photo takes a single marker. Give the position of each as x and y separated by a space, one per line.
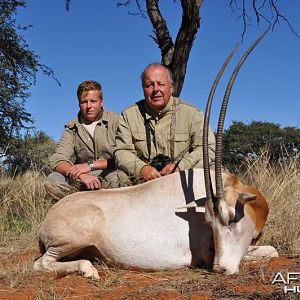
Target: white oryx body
147 226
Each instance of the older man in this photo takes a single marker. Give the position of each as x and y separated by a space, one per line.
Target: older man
83 159
161 133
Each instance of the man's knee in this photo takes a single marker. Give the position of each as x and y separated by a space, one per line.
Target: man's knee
56 177
115 179
57 186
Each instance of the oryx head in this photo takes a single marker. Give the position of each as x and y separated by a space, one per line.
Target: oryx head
225 211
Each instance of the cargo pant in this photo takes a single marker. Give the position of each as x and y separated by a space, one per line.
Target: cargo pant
58 186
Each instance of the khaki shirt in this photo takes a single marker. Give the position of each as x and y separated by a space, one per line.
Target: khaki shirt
76 145
131 152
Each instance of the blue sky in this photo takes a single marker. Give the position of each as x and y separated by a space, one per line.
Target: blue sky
96 40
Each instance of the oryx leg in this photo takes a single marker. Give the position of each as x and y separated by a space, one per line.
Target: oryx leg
49 262
260 253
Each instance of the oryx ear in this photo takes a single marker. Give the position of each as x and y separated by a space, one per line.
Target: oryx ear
245 197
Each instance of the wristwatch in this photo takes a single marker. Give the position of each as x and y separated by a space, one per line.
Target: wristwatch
91 164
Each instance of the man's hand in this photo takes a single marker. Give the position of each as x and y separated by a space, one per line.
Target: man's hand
92 182
168 169
149 173
77 170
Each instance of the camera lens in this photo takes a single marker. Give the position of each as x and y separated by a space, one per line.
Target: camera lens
159 166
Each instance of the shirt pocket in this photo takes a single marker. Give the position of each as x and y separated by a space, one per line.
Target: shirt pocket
182 142
82 154
104 148
140 143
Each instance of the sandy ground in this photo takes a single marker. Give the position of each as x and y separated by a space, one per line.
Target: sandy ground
18 281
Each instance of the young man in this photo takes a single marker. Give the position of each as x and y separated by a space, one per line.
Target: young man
83 159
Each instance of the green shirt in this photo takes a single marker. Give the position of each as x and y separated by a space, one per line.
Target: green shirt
77 146
131 152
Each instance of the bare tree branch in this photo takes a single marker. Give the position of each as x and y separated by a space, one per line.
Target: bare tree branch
163 38
140 12
175 56
260 9
190 23
278 16
68 3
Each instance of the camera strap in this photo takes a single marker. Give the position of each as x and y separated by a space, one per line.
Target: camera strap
148 128
172 129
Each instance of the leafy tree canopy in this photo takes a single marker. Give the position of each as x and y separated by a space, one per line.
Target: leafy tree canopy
18 68
242 141
29 151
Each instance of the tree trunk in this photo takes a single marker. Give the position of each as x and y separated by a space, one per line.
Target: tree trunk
175 56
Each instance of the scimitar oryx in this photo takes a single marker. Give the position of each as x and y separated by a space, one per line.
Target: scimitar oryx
197 217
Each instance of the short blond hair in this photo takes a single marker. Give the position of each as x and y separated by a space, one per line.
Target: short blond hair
89 85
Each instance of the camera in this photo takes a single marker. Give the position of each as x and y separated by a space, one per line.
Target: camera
159 161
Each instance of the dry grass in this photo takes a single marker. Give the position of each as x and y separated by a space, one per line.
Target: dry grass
24 203
51 294
110 277
280 184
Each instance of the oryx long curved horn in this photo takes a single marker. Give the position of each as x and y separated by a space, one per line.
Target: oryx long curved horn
206 165
218 153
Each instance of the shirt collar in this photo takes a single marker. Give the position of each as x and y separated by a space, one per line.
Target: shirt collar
150 113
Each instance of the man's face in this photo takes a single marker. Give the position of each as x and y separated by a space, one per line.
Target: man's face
157 87
90 105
